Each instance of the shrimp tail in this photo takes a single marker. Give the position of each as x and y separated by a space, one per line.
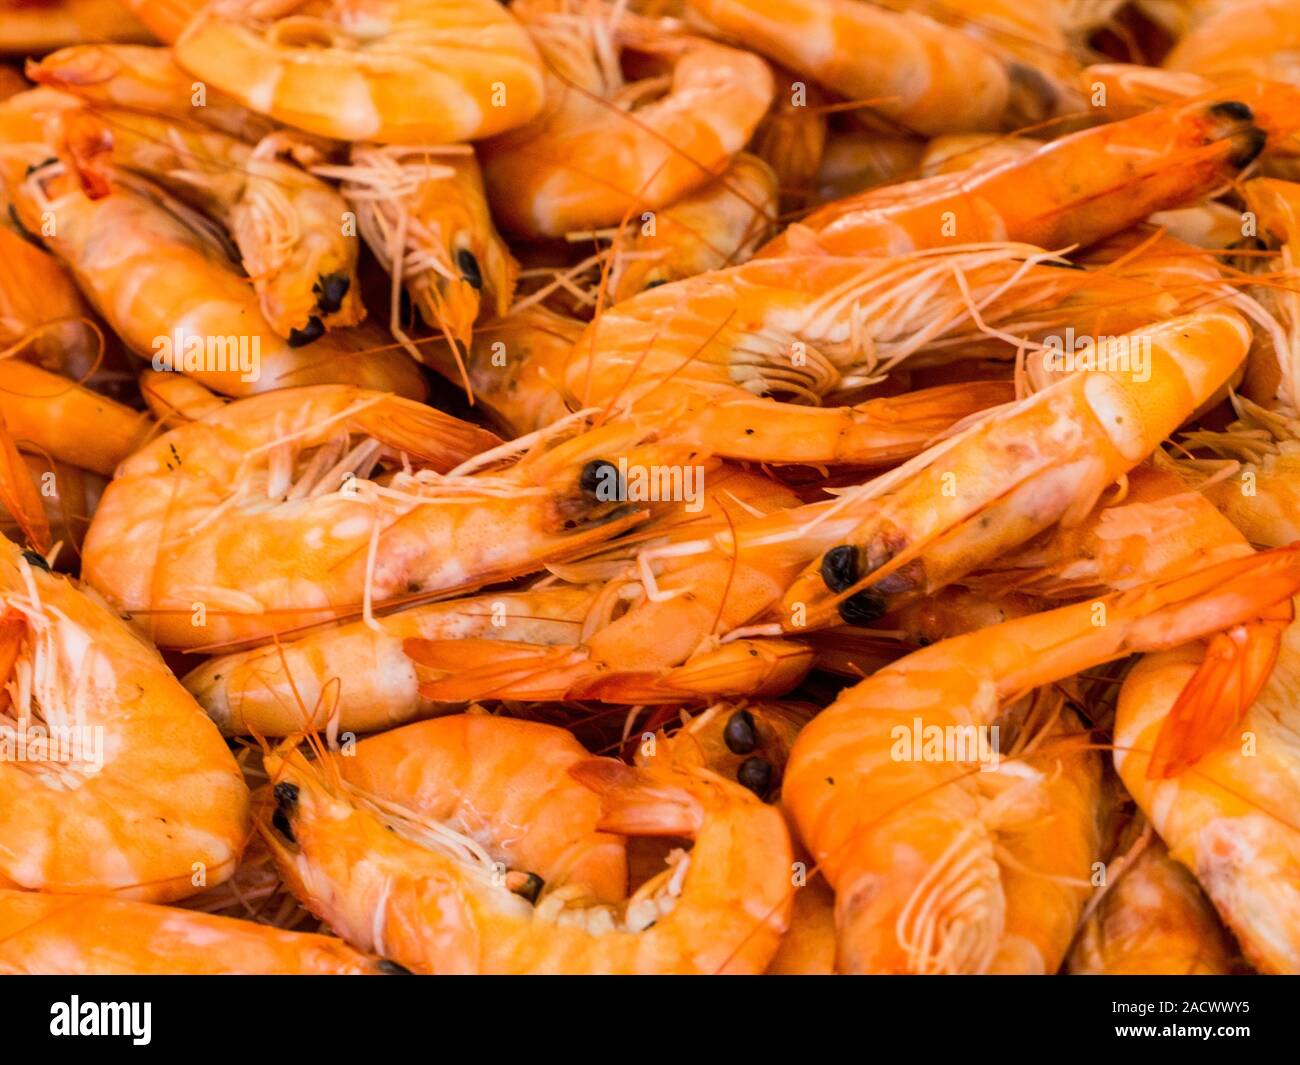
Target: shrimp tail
19 495
1235 669
638 802
425 433
481 669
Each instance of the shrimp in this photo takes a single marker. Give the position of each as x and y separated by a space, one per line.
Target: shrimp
146 79
905 532
593 157
175 399
165 18
915 848
39 26
356 677
1258 38
173 297
87 935
1153 920
487 777
114 780
51 413
708 354
1155 161
792 138
1229 819
329 521
389 71
927 77
379 876
424 214
289 226
69 496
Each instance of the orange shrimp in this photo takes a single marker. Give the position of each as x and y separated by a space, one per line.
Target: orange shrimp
587 162
910 844
389 71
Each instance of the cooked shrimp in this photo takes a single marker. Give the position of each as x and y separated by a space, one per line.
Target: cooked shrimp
430 900
912 846
356 678
1255 37
390 71
925 76
68 495
173 297
42 313
84 935
1230 818
297 508
593 157
1066 444
115 782
487 778
165 18
290 227
1074 190
424 214
175 399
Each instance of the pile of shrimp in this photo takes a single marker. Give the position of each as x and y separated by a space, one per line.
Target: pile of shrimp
649 486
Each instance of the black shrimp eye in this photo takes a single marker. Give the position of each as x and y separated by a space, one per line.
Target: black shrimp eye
864 608
286 798
599 478
740 736
330 290
469 268
36 560
1253 142
756 775
840 567
393 968
530 887
656 282
1233 109
313 330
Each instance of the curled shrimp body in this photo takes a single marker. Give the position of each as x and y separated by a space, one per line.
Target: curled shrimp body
1074 190
436 906
499 779
391 71
929 77
289 226
1230 818
42 313
911 846
1069 442
357 677
121 785
1257 37
425 216
163 284
591 160
85 935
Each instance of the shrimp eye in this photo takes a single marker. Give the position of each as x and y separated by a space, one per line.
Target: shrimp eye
599 478
529 887
1233 109
740 735
36 560
840 567
330 290
469 268
392 968
313 330
1253 142
863 608
756 775
286 798
656 282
